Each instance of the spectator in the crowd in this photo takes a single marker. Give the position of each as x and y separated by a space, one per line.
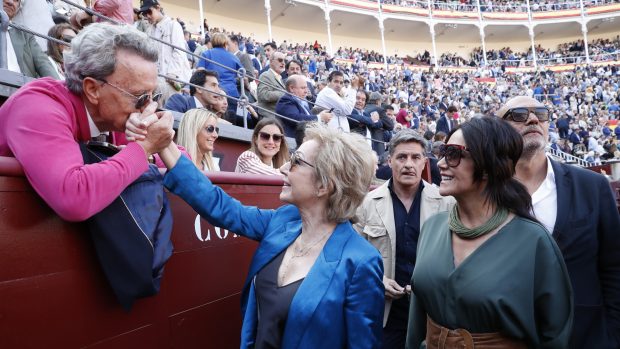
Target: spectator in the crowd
198 132
391 217
198 98
100 92
244 58
361 122
330 98
294 107
271 86
268 49
403 116
578 209
227 76
172 62
294 67
24 55
66 33
34 15
488 249
268 150
309 259
374 109
118 10
444 124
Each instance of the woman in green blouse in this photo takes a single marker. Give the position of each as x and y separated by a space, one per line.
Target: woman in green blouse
487 273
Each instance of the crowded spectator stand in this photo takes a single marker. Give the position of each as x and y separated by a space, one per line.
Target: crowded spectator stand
59 266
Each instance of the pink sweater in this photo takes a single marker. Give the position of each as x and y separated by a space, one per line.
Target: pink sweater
40 126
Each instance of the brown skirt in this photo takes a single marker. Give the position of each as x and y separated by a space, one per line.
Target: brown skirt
439 337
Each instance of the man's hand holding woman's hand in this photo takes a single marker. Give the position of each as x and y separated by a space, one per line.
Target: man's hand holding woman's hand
150 129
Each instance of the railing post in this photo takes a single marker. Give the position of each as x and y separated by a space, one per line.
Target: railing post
4 31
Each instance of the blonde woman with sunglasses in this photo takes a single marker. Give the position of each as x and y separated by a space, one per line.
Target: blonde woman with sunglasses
198 132
268 151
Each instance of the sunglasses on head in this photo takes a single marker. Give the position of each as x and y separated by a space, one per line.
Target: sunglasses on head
521 114
211 129
266 136
296 161
453 153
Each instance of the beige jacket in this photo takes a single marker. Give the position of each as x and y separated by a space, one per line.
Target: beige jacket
376 223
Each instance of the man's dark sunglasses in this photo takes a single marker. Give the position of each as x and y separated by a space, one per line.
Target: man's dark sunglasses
266 136
453 153
212 128
521 114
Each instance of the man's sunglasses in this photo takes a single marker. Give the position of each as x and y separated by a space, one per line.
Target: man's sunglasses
141 100
211 129
266 136
522 114
453 153
296 160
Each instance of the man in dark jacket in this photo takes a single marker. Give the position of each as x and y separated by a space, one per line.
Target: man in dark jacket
578 208
377 135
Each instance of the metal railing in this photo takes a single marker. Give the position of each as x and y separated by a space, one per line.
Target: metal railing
568 158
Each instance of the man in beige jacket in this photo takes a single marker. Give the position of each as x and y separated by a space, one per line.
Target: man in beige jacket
391 218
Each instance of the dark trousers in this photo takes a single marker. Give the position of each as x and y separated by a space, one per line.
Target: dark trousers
394 338
395 331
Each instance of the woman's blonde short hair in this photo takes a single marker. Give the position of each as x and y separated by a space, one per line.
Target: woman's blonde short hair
344 164
219 40
192 123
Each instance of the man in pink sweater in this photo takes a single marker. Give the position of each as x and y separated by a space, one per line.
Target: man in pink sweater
111 73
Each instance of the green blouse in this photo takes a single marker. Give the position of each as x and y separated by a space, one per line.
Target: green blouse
515 283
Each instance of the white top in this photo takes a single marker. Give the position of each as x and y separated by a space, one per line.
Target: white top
545 199
11 57
328 98
249 162
171 61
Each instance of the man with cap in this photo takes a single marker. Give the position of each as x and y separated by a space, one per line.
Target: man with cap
377 134
172 62
578 208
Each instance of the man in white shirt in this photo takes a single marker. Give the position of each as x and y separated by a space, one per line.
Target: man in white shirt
172 62
330 98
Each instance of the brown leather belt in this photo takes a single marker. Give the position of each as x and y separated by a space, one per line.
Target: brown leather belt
439 337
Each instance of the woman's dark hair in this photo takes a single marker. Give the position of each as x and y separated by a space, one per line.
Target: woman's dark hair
53 49
495 147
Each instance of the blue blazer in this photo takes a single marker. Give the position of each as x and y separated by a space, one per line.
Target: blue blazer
587 230
180 102
290 106
340 302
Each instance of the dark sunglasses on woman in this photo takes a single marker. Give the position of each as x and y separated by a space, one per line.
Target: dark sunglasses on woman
266 136
212 128
521 114
453 153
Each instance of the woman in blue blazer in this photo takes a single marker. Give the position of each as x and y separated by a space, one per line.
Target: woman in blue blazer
313 282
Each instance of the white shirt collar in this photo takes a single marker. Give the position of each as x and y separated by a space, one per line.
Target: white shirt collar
94 131
198 104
